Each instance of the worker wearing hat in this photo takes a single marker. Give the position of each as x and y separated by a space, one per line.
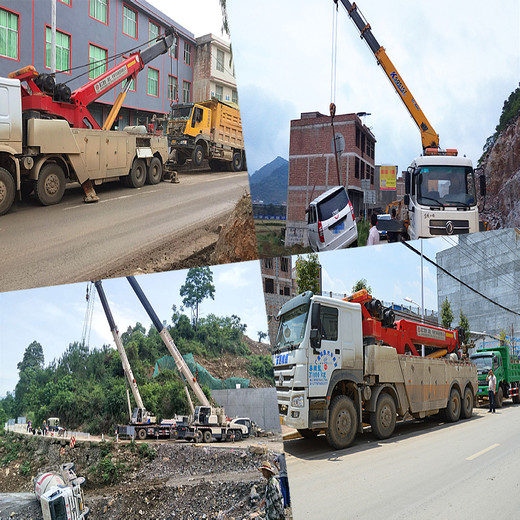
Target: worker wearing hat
273 499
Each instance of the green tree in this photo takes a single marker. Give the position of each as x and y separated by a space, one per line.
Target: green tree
32 357
223 7
361 284
308 271
198 286
464 323
446 314
261 335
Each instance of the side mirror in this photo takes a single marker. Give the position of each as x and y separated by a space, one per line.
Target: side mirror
407 177
315 338
482 180
315 334
406 199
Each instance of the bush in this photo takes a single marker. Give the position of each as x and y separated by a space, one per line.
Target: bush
146 452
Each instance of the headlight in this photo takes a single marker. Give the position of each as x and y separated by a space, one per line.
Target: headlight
297 401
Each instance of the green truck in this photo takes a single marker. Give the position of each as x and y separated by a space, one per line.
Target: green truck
506 367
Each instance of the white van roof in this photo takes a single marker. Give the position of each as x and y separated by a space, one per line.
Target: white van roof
327 193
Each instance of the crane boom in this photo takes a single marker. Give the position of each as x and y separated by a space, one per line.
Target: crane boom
429 137
117 339
170 344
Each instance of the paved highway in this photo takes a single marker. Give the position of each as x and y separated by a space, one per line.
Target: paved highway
428 470
71 241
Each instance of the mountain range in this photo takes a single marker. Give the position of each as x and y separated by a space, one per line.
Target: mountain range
269 183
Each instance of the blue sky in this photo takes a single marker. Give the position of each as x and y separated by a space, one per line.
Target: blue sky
459 59
54 316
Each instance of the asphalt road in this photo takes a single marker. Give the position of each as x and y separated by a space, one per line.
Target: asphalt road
428 470
70 241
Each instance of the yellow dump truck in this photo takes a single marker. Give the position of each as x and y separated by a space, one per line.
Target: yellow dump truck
208 130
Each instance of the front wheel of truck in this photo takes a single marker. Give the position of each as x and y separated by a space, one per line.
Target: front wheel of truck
467 404
343 422
50 185
383 419
7 191
499 397
198 155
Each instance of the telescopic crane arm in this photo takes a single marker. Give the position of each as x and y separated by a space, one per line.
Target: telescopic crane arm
170 344
429 137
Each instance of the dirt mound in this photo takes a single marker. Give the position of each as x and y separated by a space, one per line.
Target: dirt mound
237 240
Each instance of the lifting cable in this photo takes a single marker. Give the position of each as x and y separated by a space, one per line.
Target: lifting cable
333 67
90 297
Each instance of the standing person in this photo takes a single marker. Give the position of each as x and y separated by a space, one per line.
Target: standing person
281 466
273 499
373 234
492 384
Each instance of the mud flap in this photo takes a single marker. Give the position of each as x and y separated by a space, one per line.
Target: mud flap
90 192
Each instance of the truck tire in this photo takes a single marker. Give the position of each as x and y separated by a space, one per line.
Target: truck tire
383 419
343 422
155 171
137 176
237 163
467 404
308 434
452 412
50 185
499 397
7 191
141 434
198 155
206 436
198 437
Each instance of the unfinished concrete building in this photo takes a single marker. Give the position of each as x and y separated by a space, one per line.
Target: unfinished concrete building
312 167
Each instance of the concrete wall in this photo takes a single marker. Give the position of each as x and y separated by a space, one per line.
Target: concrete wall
490 263
259 404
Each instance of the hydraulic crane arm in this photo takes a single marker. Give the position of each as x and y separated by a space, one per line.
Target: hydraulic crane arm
122 353
429 137
170 344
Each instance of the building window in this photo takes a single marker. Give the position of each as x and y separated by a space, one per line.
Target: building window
186 92
220 60
62 50
356 168
153 32
8 34
153 82
66 2
284 264
173 85
132 82
99 10
129 22
219 92
268 263
269 285
287 291
358 137
174 49
187 53
234 96
97 61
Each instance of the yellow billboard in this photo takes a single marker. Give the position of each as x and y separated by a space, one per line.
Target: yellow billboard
387 177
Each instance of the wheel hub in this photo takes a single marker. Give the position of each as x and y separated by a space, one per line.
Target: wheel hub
52 184
344 423
3 191
386 417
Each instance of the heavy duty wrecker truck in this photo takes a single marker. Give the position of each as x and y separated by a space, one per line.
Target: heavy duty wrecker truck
506 367
341 363
440 195
48 137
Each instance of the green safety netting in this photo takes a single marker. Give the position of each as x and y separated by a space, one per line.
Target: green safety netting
202 375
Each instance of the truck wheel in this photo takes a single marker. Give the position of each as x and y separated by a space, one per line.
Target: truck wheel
155 171
141 434
137 176
7 191
237 162
308 434
198 436
50 185
197 155
454 405
383 419
206 436
343 422
467 404
499 397
238 435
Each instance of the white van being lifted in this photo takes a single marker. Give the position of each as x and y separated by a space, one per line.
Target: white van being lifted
331 223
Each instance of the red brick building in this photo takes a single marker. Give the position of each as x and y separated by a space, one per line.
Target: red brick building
312 168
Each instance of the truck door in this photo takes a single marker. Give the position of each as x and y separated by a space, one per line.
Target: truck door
326 359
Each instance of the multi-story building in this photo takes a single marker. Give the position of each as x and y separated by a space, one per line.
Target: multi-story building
312 166
91 37
214 72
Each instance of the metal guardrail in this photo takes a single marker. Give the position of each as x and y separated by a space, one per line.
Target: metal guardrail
66 434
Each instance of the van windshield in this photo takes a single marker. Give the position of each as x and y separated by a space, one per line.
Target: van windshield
292 328
332 205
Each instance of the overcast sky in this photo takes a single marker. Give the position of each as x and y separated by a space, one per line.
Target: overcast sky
459 59
54 316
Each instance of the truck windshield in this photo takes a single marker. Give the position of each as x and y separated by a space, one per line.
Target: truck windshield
58 509
292 328
446 186
484 363
181 112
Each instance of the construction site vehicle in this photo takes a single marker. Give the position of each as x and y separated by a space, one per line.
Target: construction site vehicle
341 363
440 193
60 494
209 130
49 137
505 366
208 423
